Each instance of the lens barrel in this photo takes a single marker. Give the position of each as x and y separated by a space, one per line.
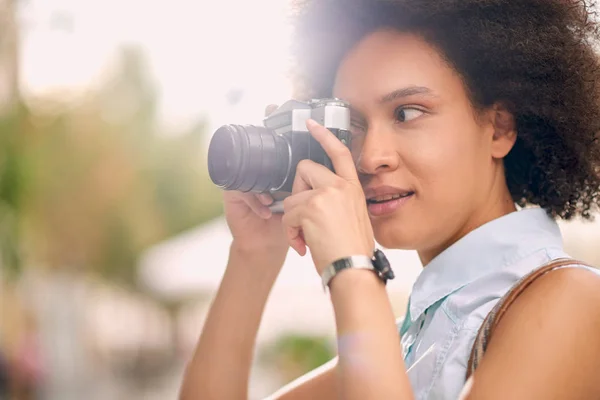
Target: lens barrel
248 158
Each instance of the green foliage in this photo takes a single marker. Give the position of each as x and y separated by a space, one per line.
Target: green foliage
12 182
90 184
294 355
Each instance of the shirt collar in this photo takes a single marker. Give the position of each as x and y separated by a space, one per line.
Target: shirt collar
491 246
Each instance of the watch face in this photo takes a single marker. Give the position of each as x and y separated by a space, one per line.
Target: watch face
342 264
362 262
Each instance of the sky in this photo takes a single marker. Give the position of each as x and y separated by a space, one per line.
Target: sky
198 51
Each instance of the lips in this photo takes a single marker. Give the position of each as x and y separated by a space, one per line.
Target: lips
386 200
387 197
381 194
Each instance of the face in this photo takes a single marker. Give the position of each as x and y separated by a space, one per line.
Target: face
416 136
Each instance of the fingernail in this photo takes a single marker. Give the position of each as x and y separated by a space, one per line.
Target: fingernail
311 123
265 199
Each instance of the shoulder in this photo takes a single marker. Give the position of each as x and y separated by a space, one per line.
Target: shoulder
572 290
547 343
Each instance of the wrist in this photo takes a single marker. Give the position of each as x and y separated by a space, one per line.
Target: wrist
256 263
355 279
357 293
252 251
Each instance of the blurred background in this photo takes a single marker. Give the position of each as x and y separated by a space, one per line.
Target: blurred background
112 242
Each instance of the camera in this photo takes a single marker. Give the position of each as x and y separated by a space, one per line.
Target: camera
259 159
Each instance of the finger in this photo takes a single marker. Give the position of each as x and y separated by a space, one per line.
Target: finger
296 240
256 206
297 199
270 108
265 199
293 229
310 175
340 155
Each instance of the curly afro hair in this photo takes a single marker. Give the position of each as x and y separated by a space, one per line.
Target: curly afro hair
537 57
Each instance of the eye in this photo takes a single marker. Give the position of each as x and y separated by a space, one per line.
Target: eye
405 114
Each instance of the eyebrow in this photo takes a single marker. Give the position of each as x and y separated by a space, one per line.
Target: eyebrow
405 92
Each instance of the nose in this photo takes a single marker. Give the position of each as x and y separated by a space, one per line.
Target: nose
378 153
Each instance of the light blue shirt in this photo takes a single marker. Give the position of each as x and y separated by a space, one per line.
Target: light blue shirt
458 288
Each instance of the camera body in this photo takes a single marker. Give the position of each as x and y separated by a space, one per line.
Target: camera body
264 159
289 121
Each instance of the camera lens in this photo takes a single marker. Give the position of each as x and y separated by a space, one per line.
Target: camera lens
248 158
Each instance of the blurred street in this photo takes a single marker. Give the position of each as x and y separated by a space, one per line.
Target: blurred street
112 236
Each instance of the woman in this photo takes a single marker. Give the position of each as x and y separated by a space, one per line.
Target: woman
462 113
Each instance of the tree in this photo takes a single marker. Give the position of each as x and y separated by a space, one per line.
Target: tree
90 185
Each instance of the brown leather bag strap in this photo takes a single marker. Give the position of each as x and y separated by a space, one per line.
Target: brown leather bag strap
484 335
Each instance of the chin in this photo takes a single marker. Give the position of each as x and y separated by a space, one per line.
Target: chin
395 236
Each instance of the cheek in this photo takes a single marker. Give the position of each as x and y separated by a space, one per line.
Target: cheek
442 161
445 159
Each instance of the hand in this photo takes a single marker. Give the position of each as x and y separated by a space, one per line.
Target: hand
254 228
252 224
327 211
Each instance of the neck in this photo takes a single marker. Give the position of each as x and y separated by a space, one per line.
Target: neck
496 205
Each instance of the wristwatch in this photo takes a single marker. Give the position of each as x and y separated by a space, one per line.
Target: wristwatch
361 262
378 264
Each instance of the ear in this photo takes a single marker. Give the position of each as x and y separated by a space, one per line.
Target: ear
504 130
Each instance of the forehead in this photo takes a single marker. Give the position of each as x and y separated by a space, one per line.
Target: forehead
387 60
